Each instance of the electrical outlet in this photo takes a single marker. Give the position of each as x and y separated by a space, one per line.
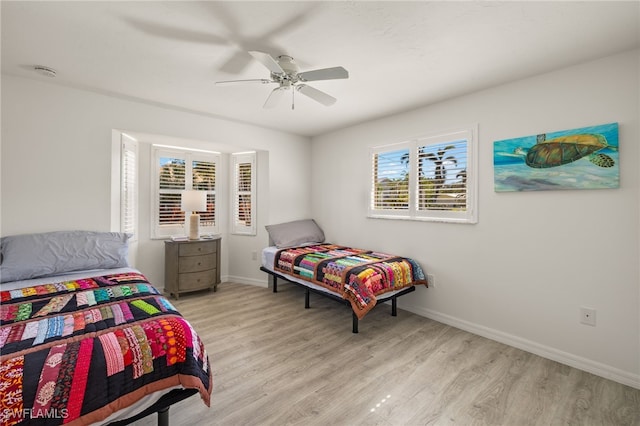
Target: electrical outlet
254 255
588 316
431 280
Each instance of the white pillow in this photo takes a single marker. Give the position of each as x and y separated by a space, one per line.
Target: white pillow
295 233
52 253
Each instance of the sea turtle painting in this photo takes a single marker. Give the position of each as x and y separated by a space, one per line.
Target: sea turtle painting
584 158
567 149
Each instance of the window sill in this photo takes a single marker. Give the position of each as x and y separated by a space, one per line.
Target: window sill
424 219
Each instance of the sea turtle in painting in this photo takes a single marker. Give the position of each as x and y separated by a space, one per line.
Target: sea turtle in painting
566 149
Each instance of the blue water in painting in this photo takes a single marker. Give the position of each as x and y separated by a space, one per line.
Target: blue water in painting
512 174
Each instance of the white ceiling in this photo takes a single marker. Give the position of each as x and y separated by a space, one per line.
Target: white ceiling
400 55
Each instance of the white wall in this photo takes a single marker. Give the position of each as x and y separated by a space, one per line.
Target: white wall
521 274
56 167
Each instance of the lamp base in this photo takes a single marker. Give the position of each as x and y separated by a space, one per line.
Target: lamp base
194 226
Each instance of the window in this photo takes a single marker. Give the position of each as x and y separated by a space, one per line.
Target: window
430 178
244 193
129 186
175 171
391 180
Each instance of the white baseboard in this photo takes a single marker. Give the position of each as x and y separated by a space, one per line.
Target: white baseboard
597 368
245 280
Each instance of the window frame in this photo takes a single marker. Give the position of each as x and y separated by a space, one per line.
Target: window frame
413 211
188 156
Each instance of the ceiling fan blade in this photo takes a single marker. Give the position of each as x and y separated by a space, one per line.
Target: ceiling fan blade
324 74
316 95
236 62
253 80
268 61
176 33
274 97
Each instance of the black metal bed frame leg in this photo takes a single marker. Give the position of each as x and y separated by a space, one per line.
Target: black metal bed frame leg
275 284
306 298
163 417
354 328
394 307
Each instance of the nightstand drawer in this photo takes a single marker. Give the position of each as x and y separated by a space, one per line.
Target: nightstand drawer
196 263
195 249
196 280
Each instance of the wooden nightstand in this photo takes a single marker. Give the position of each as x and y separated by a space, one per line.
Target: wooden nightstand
191 265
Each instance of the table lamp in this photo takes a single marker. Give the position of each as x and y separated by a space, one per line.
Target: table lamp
194 201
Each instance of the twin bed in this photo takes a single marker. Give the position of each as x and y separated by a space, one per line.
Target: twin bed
86 339
359 278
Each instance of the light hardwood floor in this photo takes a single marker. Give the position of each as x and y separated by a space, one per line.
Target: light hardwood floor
276 363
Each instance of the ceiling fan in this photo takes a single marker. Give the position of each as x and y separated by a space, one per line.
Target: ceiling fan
284 72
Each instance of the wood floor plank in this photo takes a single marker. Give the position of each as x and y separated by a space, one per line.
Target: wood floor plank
276 363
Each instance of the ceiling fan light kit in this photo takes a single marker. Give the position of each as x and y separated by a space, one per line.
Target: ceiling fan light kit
285 73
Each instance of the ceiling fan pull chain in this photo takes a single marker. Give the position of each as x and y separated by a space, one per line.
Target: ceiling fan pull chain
293 98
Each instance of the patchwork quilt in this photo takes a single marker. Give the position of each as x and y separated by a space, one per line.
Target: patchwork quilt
355 274
75 352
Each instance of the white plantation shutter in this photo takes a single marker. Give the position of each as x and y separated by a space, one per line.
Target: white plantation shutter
176 171
129 186
442 176
244 193
431 178
171 183
204 179
390 179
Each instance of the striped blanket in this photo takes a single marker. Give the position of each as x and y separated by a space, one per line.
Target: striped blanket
74 352
355 274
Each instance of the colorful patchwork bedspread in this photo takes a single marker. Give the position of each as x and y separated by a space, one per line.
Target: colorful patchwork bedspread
358 275
74 352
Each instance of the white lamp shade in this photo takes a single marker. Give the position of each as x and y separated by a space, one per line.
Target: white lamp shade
193 201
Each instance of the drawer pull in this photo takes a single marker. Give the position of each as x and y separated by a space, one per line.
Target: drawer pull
199 263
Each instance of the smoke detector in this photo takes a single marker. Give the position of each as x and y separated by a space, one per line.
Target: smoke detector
46 71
